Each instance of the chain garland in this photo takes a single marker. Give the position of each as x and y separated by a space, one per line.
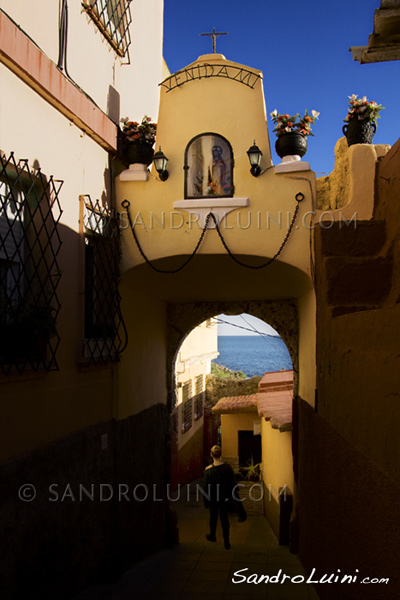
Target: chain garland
126 204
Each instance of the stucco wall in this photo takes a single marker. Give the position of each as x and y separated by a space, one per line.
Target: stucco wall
277 459
347 455
64 538
92 63
53 423
231 424
358 325
348 513
143 367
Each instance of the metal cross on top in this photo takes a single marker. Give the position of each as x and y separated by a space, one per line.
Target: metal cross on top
214 36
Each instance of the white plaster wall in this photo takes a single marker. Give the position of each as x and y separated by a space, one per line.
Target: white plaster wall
39 19
91 61
202 341
36 131
139 83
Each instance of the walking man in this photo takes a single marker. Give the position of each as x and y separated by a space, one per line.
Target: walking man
219 482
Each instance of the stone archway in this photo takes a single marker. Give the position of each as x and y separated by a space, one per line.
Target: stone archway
182 318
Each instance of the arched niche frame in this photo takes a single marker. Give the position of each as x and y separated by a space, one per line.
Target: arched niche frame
282 315
208 167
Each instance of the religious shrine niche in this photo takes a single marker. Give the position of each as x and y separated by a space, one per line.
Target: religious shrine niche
208 167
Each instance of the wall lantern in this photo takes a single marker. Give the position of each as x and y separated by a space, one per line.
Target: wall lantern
255 155
160 162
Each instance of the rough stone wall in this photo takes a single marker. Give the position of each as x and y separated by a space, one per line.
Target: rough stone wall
61 541
333 190
337 189
347 456
219 387
358 318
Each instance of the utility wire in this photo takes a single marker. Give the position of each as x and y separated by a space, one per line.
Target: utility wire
263 335
246 328
280 350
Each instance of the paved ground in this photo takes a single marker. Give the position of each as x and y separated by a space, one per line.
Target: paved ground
199 570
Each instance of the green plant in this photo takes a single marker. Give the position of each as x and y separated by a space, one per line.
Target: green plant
295 124
252 471
237 471
362 109
221 371
143 133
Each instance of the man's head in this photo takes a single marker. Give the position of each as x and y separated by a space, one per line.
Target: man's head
216 451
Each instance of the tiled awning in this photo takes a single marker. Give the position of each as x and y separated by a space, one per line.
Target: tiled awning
236 404
277 408
278 380
273 401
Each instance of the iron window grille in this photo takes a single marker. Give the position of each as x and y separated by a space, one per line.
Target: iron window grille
199 397
30 212
104 328
187 406
113 18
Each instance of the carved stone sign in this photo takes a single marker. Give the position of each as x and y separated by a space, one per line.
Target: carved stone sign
205 71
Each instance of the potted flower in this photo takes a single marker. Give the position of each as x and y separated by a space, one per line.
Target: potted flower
292 132
138 140
361 120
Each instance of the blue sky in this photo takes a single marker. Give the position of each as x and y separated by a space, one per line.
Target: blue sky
302 50
241 324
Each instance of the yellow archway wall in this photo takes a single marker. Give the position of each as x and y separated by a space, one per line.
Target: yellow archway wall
254 232
160 310
236 111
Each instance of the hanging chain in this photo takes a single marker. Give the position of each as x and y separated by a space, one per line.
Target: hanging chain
126 204
299 197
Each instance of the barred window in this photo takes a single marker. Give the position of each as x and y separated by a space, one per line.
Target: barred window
113 18
29 244
187 406
104 327
199 397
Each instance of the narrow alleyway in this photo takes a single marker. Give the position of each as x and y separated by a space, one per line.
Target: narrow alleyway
197 569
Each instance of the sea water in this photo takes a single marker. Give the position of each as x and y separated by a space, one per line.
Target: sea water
253 354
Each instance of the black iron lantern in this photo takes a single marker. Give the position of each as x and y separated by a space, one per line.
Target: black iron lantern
160 163
254 154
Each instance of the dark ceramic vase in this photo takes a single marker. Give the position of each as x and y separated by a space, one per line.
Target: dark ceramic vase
359 132
134 152
289 144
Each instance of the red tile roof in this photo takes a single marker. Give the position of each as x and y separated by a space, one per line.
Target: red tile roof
273 401
277 408
235 404
282 380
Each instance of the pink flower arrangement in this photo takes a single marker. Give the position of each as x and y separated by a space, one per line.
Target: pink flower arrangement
144 132
362 109
294 124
